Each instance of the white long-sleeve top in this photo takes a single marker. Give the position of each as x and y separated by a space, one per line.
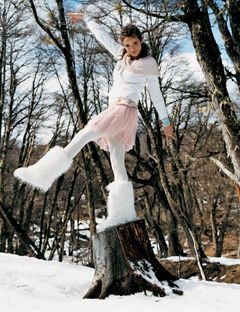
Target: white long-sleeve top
130 76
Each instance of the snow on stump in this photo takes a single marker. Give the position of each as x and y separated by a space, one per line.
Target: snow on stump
125 264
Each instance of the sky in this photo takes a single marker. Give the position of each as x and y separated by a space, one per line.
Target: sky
75 3
186 46
187 61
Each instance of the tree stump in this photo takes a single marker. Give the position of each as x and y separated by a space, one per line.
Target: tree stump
125 264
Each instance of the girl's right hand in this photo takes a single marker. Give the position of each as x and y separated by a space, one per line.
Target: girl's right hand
75 17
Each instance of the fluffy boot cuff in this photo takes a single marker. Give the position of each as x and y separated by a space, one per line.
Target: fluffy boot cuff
120 204
42 174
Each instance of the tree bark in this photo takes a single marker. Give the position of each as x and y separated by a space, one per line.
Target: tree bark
125 264
210 60
174 245
230 30
14 225
156 228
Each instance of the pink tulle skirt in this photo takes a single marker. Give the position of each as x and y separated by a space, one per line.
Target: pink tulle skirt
119 122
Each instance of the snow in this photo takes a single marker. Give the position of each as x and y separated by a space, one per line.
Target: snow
225 261
28 284
176 258
221 260
140 269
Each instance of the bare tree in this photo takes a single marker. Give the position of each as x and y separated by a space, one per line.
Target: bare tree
196 16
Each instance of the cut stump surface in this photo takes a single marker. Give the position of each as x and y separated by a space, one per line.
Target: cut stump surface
125 264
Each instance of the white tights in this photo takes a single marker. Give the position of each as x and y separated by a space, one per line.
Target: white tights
116 149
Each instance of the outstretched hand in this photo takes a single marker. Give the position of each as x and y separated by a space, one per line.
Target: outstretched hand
75 17
169 132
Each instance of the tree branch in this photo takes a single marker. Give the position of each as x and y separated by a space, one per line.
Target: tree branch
225 170
169 18
226 35
67 52
45 28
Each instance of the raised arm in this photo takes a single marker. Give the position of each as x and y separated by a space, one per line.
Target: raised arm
99 32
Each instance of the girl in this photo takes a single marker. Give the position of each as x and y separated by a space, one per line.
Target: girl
115 128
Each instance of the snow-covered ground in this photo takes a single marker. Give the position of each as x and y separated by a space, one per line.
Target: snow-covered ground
28 284
222 260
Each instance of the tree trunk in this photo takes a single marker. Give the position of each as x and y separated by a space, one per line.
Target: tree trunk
23 236
209 58
156 228
125 264
174 245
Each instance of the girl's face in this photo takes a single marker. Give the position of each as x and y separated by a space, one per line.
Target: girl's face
133 46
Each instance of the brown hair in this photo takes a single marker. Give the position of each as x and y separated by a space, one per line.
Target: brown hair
131 30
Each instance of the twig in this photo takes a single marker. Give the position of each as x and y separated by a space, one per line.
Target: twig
225 170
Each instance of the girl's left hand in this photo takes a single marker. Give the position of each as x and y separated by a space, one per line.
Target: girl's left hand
169 132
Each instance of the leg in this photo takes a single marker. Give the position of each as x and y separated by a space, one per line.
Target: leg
120 203
117 157
83 137
55 162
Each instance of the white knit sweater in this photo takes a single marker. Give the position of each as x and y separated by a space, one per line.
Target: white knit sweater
130 77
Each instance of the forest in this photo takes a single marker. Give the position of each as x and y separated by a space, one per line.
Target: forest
54 76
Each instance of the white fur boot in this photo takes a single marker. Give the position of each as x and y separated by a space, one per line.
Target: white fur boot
120 204
42 174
